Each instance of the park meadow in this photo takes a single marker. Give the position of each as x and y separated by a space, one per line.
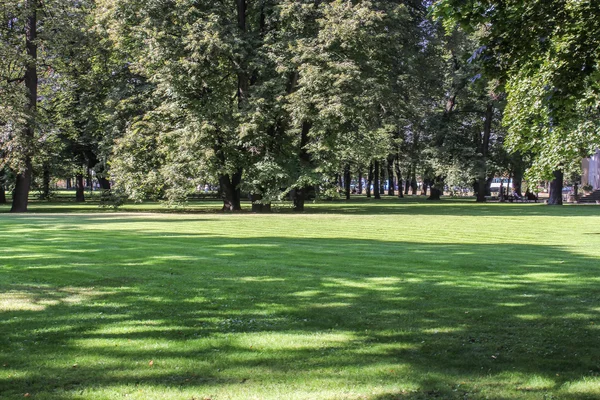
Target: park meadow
397 299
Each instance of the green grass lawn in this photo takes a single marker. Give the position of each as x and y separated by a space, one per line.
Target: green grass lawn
399 299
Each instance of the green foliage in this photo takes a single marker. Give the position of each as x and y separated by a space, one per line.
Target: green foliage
547 53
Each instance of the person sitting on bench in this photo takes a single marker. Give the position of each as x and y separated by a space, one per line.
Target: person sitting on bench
531 196
517 196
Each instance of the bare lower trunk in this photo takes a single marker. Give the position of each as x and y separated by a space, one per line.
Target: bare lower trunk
370 180
376 187
556 187
518 182
230 191
424 189
399 178
484 144
413 185
300 197
79 189
258 206
23 181
481 190
390 172
434 194
347 178
104 183
46 184
436 189
2 188
360 183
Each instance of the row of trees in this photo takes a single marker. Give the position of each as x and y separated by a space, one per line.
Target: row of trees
279 97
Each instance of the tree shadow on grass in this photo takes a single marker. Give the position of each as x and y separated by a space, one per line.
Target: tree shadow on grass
405 320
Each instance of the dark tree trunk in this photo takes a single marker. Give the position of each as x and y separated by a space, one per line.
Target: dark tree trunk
23 180
258 206
399 177
360 183
424 188
2 188
407 183
413 181
556 186
382 179
434 194
301 193
299 199
104 187
104 183
488 186
376 185
370 180
437 187
230 191
79 189
46 183
518 182
347 179
484 145
390 172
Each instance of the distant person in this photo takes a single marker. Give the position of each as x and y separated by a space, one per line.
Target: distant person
531 196
517 196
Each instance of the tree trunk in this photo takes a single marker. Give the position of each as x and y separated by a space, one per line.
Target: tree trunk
484 147
390 172
382 179
399 177
104 183
556 187
518 181
230 191
299 199
46 184
104 187
376 187
434 194
424 188
347 178
304 156
413 181
407 183
23 181
370 180
488 186
2 188
79 189
360 182
437 187
258 206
